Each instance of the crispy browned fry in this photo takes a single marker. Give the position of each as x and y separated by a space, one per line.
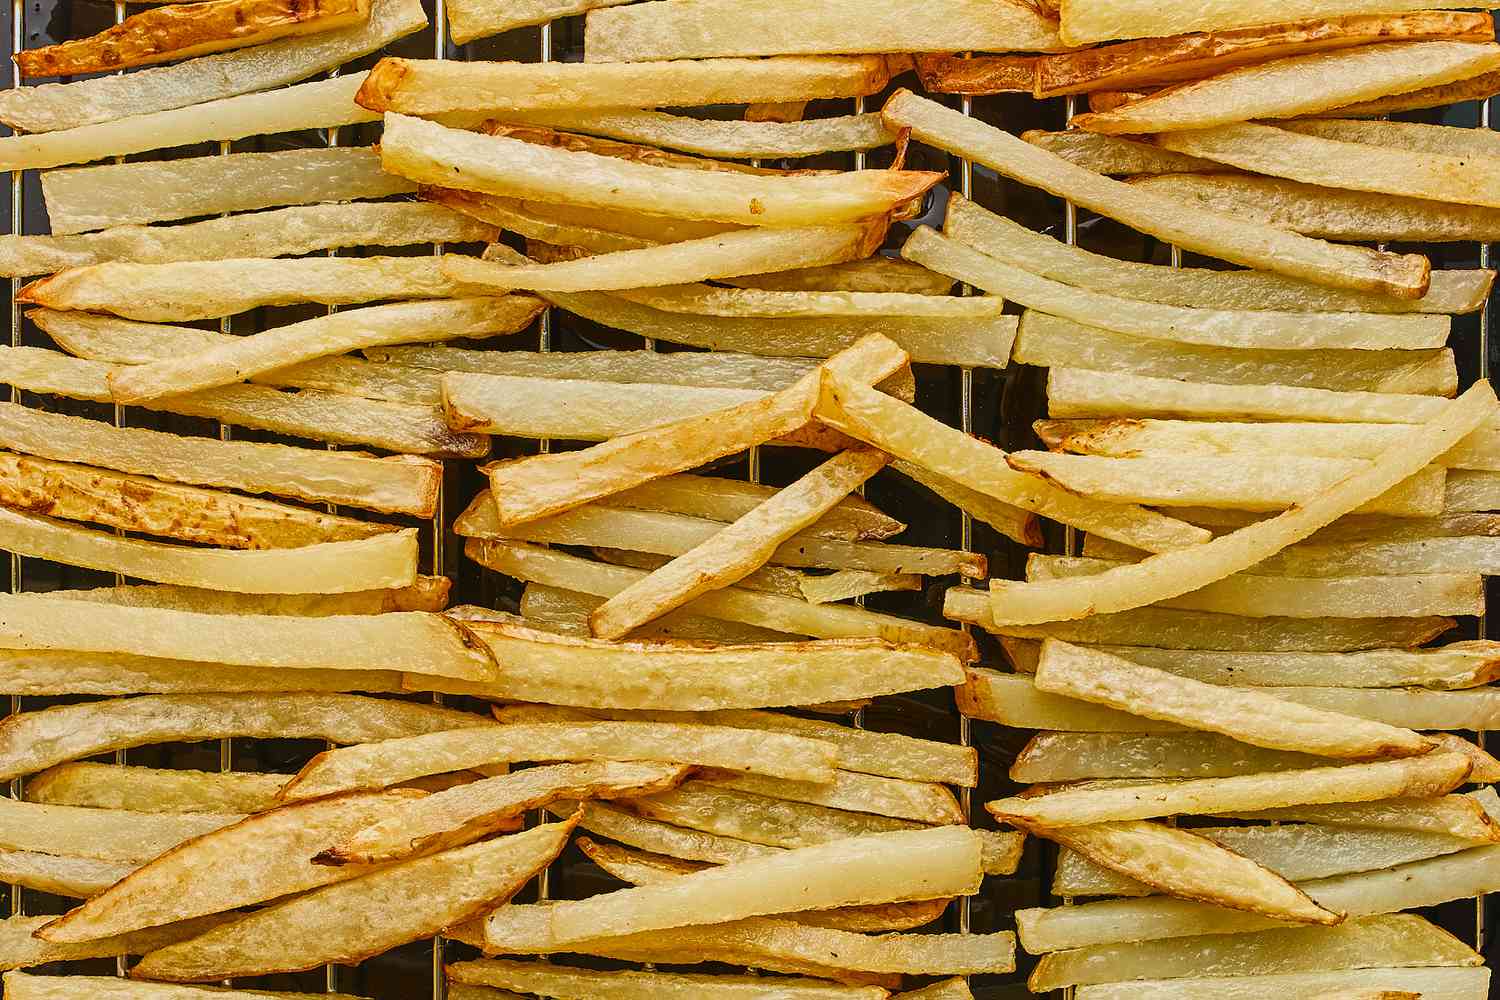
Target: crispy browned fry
952 74
177 31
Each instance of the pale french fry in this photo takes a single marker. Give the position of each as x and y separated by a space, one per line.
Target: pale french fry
1460 816
562 981
1417 777
1409 886
323 104
273 233
55 106
1399 940
1187 866
549 484
429 593
1250 481
19 949
1422 709
846 583
712 301
1278 89
310 413
1249 244
783 614
59 672
1371 984
95 727
102 834
92 197
948 989
906 433
1478 87
425 86
764 28
924 803
758 819
872 869
1474 554
169 33
1060 757
1451 291
1472 491
136 503
738 549
567 612
24 987
1245 715
454 886
629 828
406 484
60 875
1313 159
728 139
1326 212
1169 575
391 762
874 274
1097 22
1117 155
1011 521
144 789
1219 328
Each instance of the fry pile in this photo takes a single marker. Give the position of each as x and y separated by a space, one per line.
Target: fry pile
1249 717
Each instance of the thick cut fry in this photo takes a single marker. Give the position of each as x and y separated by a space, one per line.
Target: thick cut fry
1117 155
714 301
1417 777
925 803
429 153
1474 554
1215 234
739 548
1451 291
102 834
1395 941
61 672
1188 866
593 984
1327 212
471 19
1165 576
846 583
136 503
567 612
19 949
1021 525
405 485
726 139
906 433
1245 715
20 986
760 820
549 484
879 868
946 73
1310 159
1371 984
144 789
324 104
873 274
95 197
1219 328
716 499
469 812
1099 22
71 877
34 741
170 32
1242 482
423 86
391 762
579 409
452 887
629 828
1460 816
783 614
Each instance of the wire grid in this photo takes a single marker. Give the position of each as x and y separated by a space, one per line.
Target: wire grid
1028 887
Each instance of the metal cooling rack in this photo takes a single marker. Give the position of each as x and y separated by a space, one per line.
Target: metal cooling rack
999 406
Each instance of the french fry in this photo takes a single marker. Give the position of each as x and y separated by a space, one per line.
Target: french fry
19 949
1409 886
738 549
1474 88
872 869
846 583
1326 212
1427 555
1253 481
102 834
712 301
144 789
783 614
169 33
429 153
1416 777
1216 234
1409 136
60 672
60 875
1460 816
1011 521
627 827
1313 159
391 762
925 803
873 274
852 518
1099 22
760 820
532 488
1372 984
948 989
555 980
1451 291
1472 491
95 727
1188 866
906 433
1421 709
943 73
1153 62
24 987
429 593
323 104
567 612
1400 940
726 139
1165 576
88 198
1278 89
425 86
1219 328
1117 155
406 485
454 886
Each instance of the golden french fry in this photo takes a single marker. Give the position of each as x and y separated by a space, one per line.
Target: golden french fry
61 672
1460 816
144 789
102 834
1364 984
943 73
61 875
874 274
1101 21
1117 155
1479 87
728 139
535 977
713 301
21 986
19 949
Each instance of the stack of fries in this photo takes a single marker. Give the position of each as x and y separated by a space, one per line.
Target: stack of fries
1242 731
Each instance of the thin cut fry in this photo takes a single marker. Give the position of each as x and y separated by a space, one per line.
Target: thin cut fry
578 984
846 583
873 274
946 73
102 834
1116 155
1011 521
62 672
758 819
144 789
726 139
716 499
1216 234
713 301
849 790
311 930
